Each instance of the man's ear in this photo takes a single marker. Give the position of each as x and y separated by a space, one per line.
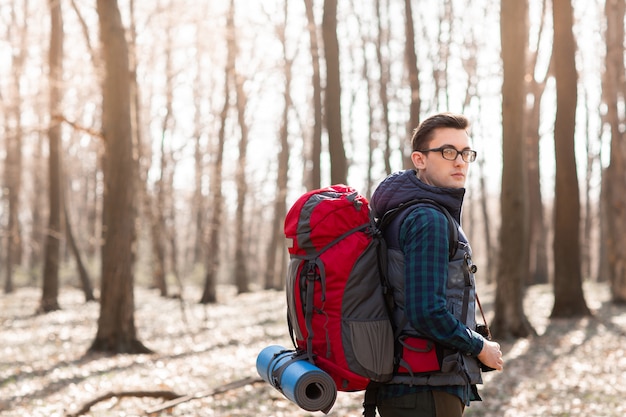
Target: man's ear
418 160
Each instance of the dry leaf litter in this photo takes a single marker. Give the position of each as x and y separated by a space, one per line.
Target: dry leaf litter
574 367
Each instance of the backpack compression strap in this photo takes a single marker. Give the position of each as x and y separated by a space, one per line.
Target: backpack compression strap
313 270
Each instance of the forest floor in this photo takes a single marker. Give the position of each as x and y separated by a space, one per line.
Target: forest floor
574 367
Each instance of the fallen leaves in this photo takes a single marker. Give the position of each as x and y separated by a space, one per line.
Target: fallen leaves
573 368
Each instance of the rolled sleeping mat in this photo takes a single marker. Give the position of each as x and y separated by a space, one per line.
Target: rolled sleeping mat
299 380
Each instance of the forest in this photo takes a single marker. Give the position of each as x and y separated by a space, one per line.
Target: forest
156 147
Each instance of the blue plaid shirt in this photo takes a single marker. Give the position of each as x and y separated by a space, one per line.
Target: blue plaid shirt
424 241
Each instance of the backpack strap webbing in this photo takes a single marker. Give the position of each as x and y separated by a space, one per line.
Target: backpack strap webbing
453 232
382 224
370 399
313 270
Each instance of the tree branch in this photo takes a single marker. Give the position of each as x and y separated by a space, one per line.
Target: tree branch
182 399
168 395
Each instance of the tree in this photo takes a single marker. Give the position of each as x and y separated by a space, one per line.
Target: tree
510 320
241 269
313 172
83 275
538 232
163 183
382 42
275 247
14 159
568 293
50 291
198 204
441 55
116 324
410 58
209 294
614 92
332 95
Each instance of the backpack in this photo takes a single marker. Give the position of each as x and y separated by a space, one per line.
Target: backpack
338 301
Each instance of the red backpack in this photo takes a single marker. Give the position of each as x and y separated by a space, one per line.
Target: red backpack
337 310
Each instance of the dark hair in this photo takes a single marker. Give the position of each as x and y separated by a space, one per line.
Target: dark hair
423 134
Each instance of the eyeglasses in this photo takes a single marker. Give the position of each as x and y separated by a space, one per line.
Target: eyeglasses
450 153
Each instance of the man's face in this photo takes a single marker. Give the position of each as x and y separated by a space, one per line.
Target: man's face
433 169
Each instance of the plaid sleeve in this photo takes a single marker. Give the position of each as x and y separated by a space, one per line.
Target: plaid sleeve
424 240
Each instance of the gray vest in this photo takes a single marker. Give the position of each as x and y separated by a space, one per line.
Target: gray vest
457 368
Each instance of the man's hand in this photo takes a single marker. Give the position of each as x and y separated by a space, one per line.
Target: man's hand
491 355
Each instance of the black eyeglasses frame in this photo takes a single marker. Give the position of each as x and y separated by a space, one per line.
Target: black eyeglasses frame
467 155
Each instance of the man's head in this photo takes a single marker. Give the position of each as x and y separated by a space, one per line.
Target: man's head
441 150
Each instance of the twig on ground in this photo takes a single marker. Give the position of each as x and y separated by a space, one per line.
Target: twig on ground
168 395
227 387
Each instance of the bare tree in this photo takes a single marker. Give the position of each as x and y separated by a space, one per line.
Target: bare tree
116 324
538 232
373 143
470 64
510 320
50 291
209 294
568 293
83 275
382 40
198 203
441 60
313 168
332 95
38 204
162 186
614 92
410 58
241 268
274 280
13 158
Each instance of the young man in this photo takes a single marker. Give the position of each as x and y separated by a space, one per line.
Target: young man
433 283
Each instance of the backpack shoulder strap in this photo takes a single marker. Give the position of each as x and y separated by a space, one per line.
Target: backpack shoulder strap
453 231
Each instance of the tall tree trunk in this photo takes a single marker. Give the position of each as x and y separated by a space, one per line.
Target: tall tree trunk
486 221
162 189
383 65
116 324
614 90
590 213
338 162
83 275
313 174
275 247
568 292
372 142
410 58
145 198
604 271
37 203
444 41
198 199
13 158
157 225
209 294
510 320
538 232
50 291
94 205
241 252
198 204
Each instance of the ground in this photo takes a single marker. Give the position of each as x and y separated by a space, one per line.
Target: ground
574 367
